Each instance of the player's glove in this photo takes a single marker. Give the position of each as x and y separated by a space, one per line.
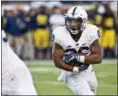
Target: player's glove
75 59
71 58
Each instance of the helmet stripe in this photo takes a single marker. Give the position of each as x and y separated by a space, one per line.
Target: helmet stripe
74 10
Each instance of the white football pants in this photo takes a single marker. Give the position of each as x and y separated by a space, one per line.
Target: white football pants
83 83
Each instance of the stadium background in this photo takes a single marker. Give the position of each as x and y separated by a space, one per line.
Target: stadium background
29 26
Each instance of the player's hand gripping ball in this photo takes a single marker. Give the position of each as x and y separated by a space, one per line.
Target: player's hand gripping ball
70 58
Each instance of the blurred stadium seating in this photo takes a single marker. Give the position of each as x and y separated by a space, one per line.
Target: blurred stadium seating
29 26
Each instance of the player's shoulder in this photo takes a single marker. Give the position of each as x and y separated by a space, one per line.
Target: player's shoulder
59 31
91 27
91 30
58 34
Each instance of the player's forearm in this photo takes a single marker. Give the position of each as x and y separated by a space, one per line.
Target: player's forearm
60 64
93 59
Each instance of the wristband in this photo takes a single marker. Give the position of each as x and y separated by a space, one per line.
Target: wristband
75 69
81 59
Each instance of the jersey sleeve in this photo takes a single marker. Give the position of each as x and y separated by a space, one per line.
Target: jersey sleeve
95 35
56 36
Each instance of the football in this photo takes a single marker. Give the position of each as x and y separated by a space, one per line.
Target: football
76 63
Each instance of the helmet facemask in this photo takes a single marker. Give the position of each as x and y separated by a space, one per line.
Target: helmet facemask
75 25
75 19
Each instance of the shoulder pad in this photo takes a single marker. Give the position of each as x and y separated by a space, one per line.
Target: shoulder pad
56 35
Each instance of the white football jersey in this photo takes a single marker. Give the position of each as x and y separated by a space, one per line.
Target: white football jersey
9 59
62 37
86 79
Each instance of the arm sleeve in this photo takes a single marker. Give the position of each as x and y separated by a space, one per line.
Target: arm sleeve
95 34
56 36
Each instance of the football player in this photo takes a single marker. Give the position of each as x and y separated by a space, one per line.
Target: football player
16 78
75 49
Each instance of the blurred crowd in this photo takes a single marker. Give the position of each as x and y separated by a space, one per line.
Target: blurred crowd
29 27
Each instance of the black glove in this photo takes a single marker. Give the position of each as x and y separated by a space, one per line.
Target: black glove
71 58
83 67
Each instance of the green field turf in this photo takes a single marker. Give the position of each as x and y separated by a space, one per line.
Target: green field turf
45 79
